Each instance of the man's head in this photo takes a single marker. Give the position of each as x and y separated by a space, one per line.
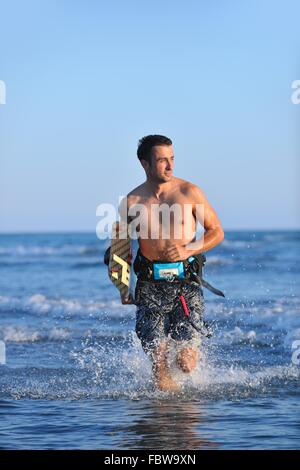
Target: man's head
155 153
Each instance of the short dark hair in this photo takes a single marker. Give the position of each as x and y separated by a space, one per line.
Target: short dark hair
146 143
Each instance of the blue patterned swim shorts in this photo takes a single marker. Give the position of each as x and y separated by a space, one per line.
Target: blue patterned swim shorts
160 313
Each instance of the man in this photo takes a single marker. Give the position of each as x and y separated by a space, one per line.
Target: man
168 296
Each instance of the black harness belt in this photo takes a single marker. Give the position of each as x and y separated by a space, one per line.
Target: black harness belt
188 270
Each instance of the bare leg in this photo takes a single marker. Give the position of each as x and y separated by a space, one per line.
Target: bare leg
187 359
162 377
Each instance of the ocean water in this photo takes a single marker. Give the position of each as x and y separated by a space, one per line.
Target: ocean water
76 377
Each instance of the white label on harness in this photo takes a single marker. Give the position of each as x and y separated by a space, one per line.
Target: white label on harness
168 272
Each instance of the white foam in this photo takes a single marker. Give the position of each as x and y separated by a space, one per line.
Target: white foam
128 372
20 334
111 372
218 261
67 249
213 375
25 334
239 244
237 335
41 305
58 334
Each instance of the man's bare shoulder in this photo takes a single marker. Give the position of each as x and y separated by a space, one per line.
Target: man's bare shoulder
189 189
137 191
136 194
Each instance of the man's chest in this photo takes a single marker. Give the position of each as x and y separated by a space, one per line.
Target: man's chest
173 210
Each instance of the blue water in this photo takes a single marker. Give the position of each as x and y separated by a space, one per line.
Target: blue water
76 376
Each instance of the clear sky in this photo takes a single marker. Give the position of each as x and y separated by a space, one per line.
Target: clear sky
86 79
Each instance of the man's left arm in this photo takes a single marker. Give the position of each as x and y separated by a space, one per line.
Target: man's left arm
207 217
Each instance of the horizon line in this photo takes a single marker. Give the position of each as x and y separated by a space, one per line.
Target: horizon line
78 231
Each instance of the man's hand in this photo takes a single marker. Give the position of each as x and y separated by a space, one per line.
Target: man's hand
177 253
127 300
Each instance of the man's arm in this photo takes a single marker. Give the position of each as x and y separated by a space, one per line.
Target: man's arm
207 217
209 220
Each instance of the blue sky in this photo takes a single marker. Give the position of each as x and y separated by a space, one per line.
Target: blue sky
86 80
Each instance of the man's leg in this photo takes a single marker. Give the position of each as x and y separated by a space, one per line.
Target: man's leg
150 331
187 359
187 330
162 376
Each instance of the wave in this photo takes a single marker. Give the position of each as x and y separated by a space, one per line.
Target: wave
103 334
239 244
261 240
289 236
39 304
238 336
278 314
263 379
19 334
218 261
64 250
259 324
87 265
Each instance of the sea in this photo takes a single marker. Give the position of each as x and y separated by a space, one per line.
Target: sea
73 374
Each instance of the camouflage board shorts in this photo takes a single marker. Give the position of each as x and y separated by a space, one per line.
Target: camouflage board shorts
160 313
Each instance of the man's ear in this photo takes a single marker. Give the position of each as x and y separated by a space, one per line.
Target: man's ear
145 165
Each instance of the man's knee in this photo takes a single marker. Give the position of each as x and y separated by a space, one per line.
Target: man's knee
187 359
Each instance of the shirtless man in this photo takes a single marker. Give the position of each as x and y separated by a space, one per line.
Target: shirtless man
161 318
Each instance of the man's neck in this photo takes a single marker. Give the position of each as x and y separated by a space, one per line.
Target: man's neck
157 187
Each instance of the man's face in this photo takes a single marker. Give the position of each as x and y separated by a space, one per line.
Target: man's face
162 163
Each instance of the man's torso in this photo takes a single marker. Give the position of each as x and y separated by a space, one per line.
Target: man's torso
164 221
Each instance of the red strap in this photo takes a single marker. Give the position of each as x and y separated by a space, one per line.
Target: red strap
184 305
